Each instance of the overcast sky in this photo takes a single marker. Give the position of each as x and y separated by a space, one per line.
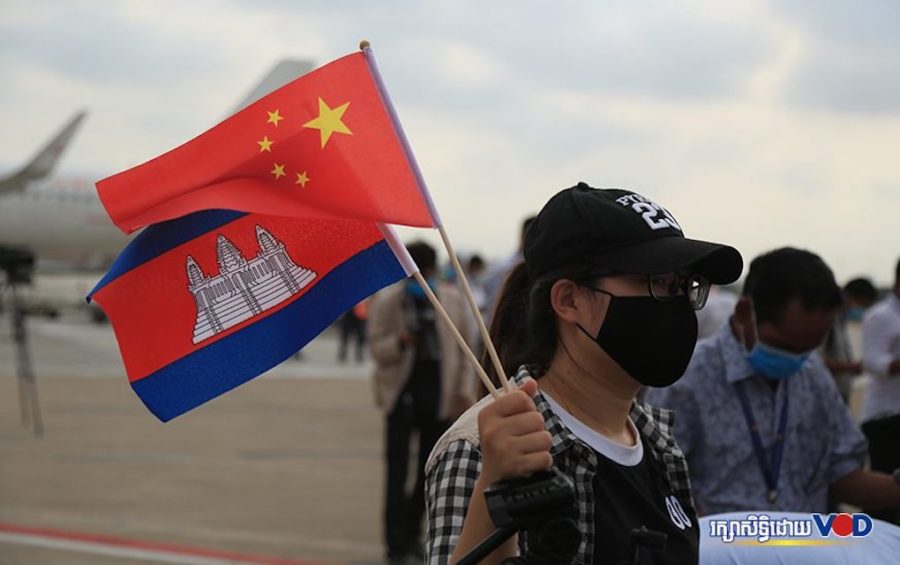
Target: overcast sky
759 124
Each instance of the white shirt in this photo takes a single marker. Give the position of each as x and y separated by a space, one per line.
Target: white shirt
626 455
881 345
719 307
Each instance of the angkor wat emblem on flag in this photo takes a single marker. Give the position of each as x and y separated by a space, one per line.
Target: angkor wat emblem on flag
243 289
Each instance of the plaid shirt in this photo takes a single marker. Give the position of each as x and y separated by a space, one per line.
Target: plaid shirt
455 464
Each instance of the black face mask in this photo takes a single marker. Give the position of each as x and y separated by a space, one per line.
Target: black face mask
651 340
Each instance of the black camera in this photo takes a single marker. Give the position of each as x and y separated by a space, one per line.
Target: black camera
542 508
17 263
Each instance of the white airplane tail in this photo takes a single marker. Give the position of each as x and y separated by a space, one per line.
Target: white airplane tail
42 164
281 74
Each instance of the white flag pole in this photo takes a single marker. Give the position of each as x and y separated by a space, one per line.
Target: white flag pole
366 48
411 269
459 338
470 298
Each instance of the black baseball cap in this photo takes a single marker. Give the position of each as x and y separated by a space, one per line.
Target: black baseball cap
622 231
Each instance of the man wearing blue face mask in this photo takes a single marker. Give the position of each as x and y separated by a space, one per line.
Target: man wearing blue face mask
758 415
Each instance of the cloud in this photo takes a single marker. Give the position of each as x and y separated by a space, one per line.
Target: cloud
137 43
863 23
851 62
743 118
641 47
849 79
664 53
111 49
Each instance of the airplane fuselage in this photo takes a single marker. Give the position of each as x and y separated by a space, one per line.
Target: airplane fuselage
61 220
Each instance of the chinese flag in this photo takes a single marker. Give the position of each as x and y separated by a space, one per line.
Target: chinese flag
322 146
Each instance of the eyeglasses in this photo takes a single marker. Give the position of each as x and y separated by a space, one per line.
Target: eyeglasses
668 286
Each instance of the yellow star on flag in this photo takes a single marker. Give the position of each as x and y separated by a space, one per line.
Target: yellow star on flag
265 144
278 171
329 121
274 117
302 179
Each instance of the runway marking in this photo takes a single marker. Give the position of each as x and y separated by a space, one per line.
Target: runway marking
97 544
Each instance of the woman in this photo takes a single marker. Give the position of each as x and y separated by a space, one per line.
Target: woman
603 305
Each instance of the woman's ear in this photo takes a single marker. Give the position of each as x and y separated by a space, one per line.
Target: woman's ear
565 301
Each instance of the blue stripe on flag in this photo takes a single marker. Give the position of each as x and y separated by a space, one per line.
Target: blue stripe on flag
234 360
161 237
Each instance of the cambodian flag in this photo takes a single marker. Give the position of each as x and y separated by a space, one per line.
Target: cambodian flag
206 302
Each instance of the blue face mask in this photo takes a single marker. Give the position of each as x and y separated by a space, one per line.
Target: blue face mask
413 288
855 314
773 363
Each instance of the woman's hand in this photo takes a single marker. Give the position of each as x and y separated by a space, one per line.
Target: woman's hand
514 442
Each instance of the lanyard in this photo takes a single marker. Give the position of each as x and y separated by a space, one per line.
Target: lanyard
772 470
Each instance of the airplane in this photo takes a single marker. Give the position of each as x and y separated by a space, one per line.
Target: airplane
61 220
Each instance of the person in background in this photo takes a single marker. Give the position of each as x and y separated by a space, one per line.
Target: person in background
497 273
353 327
881 407
422 382
757 413
859 294
718 309
475 271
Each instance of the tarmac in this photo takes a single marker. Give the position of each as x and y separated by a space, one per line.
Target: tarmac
286 468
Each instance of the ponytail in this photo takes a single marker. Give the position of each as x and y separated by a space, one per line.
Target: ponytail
509 324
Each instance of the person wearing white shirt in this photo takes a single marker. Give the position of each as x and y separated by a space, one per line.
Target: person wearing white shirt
881 359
